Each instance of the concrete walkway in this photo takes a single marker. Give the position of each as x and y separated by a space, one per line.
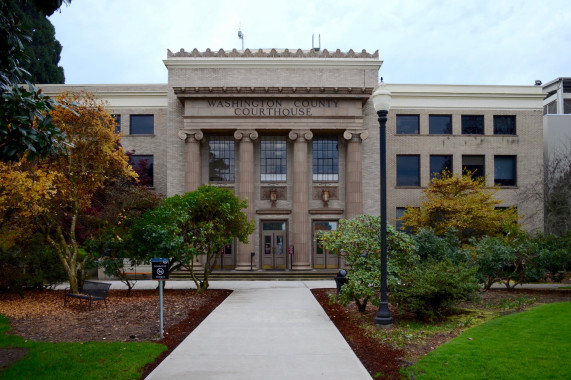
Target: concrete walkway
263 330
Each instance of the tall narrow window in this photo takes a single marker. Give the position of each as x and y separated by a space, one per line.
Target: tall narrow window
325 158
143 166
472 124
142 124
475 165
408 170
273 158
407 125
117 123
505 170
440 124
221 158
438 164
504 125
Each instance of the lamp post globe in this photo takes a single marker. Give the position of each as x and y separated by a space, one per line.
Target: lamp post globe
382 103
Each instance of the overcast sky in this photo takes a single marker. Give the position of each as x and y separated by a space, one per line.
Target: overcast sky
437 42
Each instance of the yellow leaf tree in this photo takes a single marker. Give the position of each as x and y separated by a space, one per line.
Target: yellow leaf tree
463 203
49 196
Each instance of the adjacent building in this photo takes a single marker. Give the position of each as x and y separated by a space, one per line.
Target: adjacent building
296 134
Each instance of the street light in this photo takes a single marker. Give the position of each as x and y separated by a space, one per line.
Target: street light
382 104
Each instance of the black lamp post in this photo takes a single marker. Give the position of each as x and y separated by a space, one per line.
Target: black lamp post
382 104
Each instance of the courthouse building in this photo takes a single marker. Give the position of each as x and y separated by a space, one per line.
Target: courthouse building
295 132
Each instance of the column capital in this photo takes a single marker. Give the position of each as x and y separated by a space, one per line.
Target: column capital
246 135
191 135
300 135
355 135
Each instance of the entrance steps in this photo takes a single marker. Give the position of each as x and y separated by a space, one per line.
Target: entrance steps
262 275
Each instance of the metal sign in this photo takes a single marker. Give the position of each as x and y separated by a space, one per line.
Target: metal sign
160 269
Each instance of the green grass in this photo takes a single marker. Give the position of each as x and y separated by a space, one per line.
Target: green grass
89 360
534 344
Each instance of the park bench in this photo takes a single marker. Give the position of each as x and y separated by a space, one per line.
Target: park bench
91 290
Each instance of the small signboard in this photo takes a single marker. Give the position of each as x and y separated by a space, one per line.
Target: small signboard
160 269
290 250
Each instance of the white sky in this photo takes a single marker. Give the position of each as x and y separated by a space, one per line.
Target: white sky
420 41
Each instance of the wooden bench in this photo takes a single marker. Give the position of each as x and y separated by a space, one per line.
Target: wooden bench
92 291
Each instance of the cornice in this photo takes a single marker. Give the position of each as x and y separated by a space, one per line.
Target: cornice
220 92
272 53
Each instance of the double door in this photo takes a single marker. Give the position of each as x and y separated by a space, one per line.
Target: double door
274 245
322 258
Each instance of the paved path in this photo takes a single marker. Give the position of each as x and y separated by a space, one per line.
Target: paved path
264 330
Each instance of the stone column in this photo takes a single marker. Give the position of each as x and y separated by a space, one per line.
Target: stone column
246 189
300 215
192 164
353 173
192 173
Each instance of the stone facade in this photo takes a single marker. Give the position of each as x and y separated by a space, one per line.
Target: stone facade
300 97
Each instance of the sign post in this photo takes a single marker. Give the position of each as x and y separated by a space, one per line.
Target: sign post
160 273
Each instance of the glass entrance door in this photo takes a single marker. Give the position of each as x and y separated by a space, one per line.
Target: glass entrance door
226 258
322 258
274 254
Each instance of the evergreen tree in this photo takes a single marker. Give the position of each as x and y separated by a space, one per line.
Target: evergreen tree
43 50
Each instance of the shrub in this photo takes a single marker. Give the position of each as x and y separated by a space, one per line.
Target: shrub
432 288
358 241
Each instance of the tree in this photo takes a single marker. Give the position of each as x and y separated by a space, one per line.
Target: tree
26 129
358 241
554 190
43 50
462 203
62 187
114 209
198 223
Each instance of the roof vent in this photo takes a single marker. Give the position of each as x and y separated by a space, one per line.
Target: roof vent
538 83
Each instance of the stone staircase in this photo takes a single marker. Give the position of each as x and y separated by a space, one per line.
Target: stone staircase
259 275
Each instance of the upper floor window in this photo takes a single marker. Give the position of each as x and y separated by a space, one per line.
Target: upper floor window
439 164
440 124
504 125
325 158
142 125
273 158
408 170
221 158
117 123
472 124
407 125
505 170
474 164
143 166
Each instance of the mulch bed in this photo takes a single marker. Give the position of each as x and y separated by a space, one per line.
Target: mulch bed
41 316
377 359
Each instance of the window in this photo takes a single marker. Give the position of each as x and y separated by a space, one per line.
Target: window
440 124
472 124
142 124
273 157
143 166
408 173
504 125
221 159
399 224
505 170
550 108
407 125
117 123
325 158
438 164
475 165
567 106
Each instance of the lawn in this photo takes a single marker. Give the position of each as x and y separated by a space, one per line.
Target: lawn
535 344
89 360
